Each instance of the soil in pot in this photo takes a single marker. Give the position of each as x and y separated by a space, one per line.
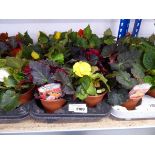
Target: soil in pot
51 106
92 101
130 104
27 96
151 92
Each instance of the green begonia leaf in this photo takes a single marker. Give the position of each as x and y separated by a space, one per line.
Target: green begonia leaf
9 100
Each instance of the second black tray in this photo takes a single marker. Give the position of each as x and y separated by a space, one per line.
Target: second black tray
16 115
37 112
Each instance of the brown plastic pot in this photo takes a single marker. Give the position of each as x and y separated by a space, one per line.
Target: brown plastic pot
130 104
51 106
151 93
26 97
92 101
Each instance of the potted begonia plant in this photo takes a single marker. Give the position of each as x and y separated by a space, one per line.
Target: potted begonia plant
128 74
16 86
146 49
91 85
53 82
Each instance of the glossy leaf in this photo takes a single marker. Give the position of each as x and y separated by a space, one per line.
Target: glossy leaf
2 63
149 60
15 63
150 80
57 57
9 100
40 72
25 38
101 78
91 90
43 38
94 41
108 50
124 78
117 96
73 36
127 58
26 51
85 82
10 82
108 32
88 32
138 72
81 42
66 82
80 93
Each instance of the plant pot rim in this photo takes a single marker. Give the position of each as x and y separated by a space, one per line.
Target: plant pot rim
151 89
53 100
151 92
135 99
97 95
29 90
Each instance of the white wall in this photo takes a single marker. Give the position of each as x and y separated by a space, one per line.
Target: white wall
147 27
49 26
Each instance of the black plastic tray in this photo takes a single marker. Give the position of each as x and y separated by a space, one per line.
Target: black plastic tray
16 115
37 112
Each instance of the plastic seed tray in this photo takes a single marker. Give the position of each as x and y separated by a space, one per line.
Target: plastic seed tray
16 115
37 112
145 110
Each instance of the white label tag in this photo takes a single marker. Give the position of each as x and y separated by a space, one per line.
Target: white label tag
78 108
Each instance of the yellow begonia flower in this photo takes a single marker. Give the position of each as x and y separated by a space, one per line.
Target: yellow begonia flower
35 55
57 35
82 68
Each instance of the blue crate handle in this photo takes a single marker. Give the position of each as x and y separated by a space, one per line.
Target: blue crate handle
136 27
123 28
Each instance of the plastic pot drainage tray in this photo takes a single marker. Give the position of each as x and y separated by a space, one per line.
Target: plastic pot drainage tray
16 115
37 112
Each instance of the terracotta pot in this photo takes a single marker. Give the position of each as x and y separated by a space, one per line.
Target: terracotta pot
151 93
26 97
130 104
92 101
51 106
